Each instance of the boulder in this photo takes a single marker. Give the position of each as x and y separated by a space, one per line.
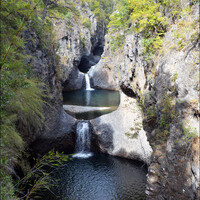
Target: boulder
120 133
75 81
102 78
59 134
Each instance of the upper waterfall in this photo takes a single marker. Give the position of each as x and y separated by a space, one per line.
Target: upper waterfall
87 82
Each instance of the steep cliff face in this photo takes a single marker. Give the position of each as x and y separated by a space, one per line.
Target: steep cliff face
167 88
175 115
78 40
58 125
57 66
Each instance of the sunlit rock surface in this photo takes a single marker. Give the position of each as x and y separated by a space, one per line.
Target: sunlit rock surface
121 133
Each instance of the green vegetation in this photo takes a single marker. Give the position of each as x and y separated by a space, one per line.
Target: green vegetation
131 135
134 132
189 134
151 114
22 95
161 117
82 39
174 77
141 17
167 116
39 177
85 22
186 32
147 18
101 8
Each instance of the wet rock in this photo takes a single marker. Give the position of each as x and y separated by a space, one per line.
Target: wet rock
82 109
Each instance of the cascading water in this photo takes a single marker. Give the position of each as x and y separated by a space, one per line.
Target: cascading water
82 147
83 137
87 81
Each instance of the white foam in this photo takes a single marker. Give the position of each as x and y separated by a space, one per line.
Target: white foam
82 155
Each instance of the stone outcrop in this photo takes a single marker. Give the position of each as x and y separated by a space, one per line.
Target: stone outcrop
176 85
59 134
58 130
174 171
76 39
120 133
84 109
102 78
167 87
122 68
75 81
102 74
79 42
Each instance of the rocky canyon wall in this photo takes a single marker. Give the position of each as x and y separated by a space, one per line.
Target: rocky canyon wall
57 67
159 98
167 89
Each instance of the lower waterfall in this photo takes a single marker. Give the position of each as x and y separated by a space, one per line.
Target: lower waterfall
82 147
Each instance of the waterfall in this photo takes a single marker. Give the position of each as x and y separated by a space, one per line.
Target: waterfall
82 147
87 82
83 137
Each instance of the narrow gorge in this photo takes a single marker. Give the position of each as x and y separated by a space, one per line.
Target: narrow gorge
114 86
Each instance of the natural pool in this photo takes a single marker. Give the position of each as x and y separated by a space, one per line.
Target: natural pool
96 98
100 177
92 98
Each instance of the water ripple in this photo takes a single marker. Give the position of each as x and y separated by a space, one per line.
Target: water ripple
100 177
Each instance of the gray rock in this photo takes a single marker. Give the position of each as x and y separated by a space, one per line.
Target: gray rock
120 133
102 78
59 133
76 46
105 138
82 109
75 81
174 73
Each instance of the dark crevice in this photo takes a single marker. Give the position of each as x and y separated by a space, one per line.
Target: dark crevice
98 50
128 91
84 65
65 38
91 60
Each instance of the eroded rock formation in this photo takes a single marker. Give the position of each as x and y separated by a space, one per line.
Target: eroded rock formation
60 69
167 87
121 133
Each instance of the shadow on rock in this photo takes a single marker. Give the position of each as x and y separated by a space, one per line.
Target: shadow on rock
59 134
104 135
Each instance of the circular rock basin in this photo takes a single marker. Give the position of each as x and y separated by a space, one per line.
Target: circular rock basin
89 104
